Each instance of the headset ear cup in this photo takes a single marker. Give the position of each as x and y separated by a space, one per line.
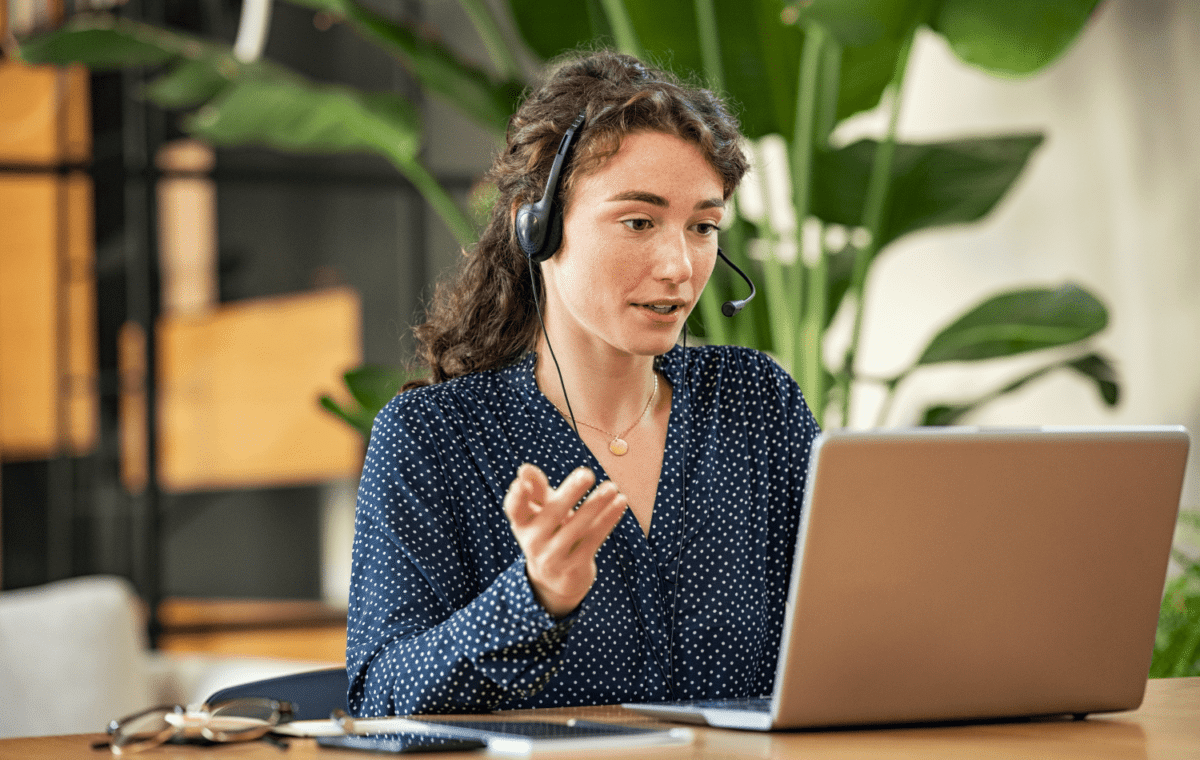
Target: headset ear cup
554 234
539 225
528 226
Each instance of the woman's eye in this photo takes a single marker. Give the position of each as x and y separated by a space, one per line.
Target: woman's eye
707 228
637 225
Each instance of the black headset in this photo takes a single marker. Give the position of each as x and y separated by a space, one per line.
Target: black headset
540 225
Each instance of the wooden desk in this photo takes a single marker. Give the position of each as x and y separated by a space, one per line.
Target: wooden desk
1166 727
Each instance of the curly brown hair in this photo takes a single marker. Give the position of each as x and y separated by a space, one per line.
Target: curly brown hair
486 318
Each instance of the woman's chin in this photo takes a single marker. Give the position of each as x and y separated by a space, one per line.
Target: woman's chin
660 344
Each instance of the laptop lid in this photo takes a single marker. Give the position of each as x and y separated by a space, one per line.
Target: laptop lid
957 573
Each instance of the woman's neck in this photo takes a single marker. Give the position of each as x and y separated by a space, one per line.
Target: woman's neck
606 390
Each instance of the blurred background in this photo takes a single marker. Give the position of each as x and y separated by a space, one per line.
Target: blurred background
177 289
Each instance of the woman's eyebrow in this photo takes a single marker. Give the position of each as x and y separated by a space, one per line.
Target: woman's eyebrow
641 196
657 200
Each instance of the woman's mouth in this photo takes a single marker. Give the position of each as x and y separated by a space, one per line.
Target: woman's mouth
666 308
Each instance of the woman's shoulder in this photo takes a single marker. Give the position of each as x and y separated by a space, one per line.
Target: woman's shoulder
706 360
736 371
455 393
482 393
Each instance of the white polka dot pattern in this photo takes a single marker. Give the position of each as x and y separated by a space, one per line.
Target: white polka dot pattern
442 618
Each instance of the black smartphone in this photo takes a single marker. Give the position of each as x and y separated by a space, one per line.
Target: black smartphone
400 743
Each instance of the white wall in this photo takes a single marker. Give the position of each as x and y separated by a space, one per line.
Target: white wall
1110 201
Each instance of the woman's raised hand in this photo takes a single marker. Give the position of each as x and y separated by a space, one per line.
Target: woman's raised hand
559 541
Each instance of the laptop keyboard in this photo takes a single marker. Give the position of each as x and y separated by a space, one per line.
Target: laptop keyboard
579 729
749 704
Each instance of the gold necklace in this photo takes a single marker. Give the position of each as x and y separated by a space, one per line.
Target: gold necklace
618 445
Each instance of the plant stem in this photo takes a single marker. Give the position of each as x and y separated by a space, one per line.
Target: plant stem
622 26
776 284
488 29
873 216
710 43
806 354
885 409
816 300
716 329
830 91
437 197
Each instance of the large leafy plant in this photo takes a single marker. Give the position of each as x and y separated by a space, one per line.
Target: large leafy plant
796 71
1177 640
799 69
228 101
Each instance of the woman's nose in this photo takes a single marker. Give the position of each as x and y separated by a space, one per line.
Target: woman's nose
673 260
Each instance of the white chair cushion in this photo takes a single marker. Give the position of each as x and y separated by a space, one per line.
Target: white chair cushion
72 656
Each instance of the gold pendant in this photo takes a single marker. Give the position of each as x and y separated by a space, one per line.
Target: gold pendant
618 447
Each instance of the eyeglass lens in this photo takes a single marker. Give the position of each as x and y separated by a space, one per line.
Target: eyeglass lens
241 720
232 721
142 730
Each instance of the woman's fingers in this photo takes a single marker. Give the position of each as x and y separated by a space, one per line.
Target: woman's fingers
526 494
564 498
606 517
531 503
559 531
519 503
575 533
539 485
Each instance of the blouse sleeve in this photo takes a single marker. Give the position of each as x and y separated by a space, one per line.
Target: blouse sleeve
428 632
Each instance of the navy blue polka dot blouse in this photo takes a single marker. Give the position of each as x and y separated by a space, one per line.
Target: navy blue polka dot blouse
442 617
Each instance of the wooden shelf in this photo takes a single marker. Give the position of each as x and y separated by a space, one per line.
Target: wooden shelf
286 629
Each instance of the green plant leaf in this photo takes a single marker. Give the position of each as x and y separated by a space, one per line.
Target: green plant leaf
190 83
760 52
359 419
294 115
291 114
1092 366
1177 638
933 184
941 415
1016 322
760 55
104 43
374 385
871 34
1098 369
440 71
1014 37
862 23
865 74
257 102
669 35
265 104
552 28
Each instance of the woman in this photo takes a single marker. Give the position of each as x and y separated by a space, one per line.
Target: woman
574 509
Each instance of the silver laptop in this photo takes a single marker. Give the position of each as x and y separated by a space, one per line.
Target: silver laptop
956 574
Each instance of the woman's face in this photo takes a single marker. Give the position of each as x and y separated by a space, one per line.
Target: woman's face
639 244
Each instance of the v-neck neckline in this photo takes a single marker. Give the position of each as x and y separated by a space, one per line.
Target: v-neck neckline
661 543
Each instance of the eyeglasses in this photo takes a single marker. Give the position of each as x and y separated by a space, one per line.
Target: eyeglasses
235 720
